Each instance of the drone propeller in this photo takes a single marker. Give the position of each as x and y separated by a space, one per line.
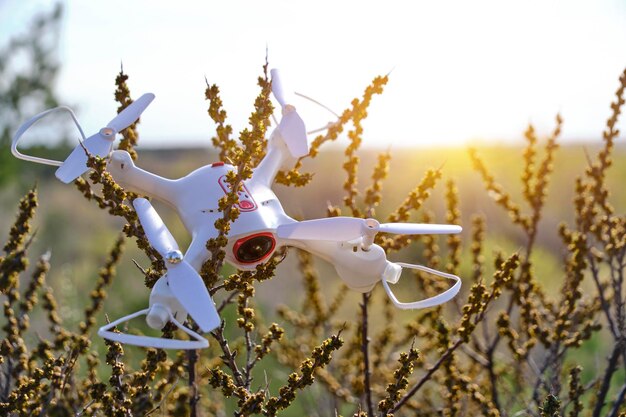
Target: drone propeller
342 229
100 144
291 126
183 280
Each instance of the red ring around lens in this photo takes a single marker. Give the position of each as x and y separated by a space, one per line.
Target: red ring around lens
240 245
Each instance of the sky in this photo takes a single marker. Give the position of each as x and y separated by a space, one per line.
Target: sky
460 71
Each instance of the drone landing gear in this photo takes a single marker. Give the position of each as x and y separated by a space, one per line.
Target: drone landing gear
198 341
164 307
392 274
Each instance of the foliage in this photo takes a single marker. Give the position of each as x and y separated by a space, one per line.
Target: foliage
506 346
25 91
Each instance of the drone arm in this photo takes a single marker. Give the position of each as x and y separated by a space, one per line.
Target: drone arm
126 173
197 253
360 270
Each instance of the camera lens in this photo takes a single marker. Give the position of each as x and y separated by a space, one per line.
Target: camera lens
254 248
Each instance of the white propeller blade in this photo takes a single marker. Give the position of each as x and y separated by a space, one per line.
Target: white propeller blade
130 114
277 87
189 289
291 126
75 165
101 143
183 280
293 131
419 228
342 229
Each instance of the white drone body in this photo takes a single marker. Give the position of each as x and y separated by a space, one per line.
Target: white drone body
261 228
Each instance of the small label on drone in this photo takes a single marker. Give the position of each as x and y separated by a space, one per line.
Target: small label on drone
246 202
246 205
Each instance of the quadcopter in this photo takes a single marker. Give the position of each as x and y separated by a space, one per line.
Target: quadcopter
262 227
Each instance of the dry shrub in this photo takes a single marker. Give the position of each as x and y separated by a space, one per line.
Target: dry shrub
505 347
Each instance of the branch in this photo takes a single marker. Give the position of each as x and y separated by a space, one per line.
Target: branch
427 376
365 349
618 402
228 357
194 397
606 382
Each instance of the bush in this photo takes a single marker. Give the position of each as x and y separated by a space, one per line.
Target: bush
506 346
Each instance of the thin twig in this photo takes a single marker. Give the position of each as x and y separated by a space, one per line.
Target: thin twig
8 378
69 364
365 349
81 412
227 301
194 397
475 356
228 357
215 289
250 362
606 382
603 301
493 378
158 406
618 402
427 376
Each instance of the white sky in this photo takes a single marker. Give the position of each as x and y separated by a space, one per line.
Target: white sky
462 70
